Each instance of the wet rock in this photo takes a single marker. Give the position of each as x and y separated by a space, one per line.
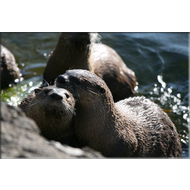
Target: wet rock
9 70
20 138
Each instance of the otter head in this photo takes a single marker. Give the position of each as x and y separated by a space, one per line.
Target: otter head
85 86
53 110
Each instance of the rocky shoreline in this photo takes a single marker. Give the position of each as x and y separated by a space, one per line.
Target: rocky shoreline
20 138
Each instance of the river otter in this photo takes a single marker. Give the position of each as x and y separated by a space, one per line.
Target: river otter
9 69
78 51
52 109
133 127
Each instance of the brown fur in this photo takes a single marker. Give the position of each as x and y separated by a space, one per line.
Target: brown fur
9 70
78 51
133 127
52 109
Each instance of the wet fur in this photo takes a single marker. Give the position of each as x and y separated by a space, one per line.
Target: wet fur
134 127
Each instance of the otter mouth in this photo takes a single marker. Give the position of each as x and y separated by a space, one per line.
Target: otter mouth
57 107
53 109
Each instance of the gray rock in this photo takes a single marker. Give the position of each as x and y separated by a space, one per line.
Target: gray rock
20 138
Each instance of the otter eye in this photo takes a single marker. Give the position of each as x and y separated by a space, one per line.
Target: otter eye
37 90
67 96
102 90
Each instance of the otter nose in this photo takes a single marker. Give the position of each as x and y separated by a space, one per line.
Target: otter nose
61 79
56 96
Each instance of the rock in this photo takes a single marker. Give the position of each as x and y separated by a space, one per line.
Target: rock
20 138
9 70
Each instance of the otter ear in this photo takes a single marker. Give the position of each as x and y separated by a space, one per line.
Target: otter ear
102 90
37 90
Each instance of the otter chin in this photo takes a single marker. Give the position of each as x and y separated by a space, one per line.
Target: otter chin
52 109
80 51
133 127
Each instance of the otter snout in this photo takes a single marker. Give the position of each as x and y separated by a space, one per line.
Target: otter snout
67 82
63 81
59 94
60 79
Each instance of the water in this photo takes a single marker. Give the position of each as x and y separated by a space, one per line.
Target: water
159 60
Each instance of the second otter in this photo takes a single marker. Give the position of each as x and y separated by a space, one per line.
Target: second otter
133 127
78 51
52 109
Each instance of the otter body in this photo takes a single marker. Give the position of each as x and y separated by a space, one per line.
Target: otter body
52 109
78 51
134 127
9 69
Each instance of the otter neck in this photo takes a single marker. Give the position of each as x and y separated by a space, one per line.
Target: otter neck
72 56
93 125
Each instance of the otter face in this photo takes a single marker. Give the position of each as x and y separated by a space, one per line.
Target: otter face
82 84
52 109
53 99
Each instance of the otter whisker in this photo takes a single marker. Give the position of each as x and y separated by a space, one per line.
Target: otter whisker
92 91
31 103
47 84
72 111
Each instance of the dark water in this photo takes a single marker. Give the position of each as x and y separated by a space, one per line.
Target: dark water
159 60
